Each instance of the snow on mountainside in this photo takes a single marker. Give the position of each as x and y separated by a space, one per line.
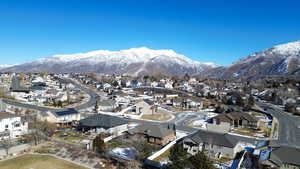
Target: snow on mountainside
279 60
131 61
5 66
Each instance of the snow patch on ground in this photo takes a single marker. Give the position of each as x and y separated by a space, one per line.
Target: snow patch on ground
125 153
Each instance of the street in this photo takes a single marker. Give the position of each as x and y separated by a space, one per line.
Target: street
90 103
289 131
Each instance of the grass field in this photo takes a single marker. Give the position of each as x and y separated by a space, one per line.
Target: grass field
38 162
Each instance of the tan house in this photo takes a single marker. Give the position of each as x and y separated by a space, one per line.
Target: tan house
224 122
213 144
145 106
155 134
63 118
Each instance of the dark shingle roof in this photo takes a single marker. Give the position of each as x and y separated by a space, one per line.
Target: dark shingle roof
153 130
235 116
66 112
285 154
102 121
148 101
214 138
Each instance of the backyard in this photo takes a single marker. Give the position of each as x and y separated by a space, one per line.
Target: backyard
70 136
160 115
38 162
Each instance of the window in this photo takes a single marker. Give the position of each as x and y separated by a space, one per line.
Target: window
17 125
6 126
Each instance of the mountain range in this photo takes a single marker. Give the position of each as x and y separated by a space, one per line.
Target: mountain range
279 60
134 61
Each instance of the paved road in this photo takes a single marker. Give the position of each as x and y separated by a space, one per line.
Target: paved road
289 125
180 121
89 103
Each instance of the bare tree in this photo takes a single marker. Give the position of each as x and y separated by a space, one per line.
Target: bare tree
39 130
6 143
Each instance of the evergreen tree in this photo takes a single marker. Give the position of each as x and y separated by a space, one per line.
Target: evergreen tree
251 101
99 145
201 161
178 157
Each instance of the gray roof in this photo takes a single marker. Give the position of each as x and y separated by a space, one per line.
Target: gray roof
148 101
153 130
101 121
214 138
107 103
285 154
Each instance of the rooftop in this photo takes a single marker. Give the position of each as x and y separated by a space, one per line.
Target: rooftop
102 121
153 130
285 154
66 112
214 138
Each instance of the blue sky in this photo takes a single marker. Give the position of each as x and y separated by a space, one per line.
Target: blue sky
220 31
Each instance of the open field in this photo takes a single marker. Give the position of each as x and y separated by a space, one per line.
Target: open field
38 162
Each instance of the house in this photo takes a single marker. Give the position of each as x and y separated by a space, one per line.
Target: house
194 103
63 118
12 126
215 145
154 84
16 85
145 106
107 105
155 134
169 85
107 87
110 124
283 157
224 122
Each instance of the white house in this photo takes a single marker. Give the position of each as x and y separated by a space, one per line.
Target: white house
169 85
154 84
11 126
63 118
107 105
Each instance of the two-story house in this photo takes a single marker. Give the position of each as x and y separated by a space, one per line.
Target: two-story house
12 126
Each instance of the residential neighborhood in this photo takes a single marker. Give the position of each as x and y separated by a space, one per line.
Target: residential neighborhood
139 124
150 84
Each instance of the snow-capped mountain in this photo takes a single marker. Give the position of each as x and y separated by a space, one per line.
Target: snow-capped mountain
4 66
134 61
279 60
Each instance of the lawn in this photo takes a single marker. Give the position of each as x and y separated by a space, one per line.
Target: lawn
38 162
163 157
160 115
72 136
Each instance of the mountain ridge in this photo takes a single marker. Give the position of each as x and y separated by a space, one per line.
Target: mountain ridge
130 61
283 59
